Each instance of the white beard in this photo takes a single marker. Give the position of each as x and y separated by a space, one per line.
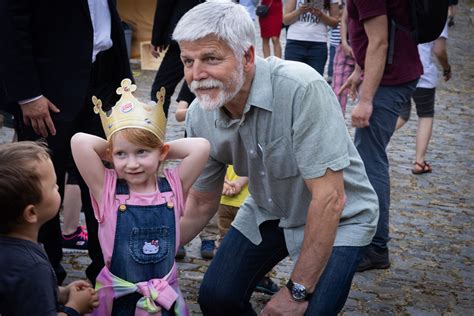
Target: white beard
208 103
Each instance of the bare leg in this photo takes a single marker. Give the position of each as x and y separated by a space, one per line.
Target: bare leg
276 47
266 46
423 135
71 208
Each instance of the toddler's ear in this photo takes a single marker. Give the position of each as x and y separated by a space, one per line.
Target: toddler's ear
29 214
164 152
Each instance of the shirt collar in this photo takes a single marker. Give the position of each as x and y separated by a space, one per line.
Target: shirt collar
261 92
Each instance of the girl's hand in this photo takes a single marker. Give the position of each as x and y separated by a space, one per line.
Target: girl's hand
347 49
352 83
304 8
316 12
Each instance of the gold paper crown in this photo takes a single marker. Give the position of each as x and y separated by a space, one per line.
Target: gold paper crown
128 112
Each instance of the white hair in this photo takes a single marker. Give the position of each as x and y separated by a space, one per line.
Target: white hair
228 21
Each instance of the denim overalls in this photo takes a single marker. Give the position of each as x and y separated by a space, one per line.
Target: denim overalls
144 247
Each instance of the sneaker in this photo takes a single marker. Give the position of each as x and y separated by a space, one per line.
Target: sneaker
181 253
76 240
207 248
267 286
374 259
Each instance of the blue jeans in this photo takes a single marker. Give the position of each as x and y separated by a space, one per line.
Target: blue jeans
332 53
238 265
314 54
372 141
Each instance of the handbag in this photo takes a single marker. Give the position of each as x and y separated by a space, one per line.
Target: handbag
262 9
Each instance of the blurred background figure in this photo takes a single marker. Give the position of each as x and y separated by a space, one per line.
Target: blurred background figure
270 28
424 98
307 34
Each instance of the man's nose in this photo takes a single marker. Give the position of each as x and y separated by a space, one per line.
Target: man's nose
199 71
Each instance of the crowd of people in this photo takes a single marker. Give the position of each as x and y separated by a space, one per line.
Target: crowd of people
267 154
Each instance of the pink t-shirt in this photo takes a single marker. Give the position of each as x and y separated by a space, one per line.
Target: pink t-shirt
106 212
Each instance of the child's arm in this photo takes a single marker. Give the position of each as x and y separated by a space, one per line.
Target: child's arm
181 110
88 152
194 153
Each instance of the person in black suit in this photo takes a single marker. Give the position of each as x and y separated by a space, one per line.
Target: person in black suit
170 73
58 54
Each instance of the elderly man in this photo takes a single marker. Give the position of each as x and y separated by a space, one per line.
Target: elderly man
278 123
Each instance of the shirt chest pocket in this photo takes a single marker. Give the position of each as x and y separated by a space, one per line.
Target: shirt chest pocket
278 159
149 245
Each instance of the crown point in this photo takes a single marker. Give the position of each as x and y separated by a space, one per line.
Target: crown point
126 86
97 104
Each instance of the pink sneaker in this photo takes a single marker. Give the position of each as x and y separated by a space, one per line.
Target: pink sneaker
77 240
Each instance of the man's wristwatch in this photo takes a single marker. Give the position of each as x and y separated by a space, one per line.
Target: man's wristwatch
69 311
298 291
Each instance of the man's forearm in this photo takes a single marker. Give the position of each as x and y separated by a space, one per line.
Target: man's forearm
373 72
200 207
376 55
319 234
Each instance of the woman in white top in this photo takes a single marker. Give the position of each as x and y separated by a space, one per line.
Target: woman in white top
424 97
307 34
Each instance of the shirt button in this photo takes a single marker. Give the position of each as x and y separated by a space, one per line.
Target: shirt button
270 200
262 173
251 151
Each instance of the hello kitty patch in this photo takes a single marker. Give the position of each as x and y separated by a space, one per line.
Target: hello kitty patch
151 248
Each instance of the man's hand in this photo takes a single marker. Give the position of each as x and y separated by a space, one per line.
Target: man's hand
36 113
282 304
361 114
156 51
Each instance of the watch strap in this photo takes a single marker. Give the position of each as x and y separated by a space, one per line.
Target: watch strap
290 284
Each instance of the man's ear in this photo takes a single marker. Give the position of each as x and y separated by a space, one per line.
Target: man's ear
30 215
249 59
164 152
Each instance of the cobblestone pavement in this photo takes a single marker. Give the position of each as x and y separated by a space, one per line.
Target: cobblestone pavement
431 226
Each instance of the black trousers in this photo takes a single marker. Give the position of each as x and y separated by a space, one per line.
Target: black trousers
169 75
103 86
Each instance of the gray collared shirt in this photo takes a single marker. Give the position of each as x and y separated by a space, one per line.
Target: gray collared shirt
292 129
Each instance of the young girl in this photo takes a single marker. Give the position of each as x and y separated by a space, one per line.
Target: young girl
138 212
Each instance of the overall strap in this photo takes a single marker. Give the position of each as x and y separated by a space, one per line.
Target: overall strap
121 187
163 184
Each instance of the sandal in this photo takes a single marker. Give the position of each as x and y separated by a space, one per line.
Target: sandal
424 167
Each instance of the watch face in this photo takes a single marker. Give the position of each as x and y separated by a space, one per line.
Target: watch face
298 292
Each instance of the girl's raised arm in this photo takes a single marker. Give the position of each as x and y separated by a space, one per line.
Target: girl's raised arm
194 153
88 152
